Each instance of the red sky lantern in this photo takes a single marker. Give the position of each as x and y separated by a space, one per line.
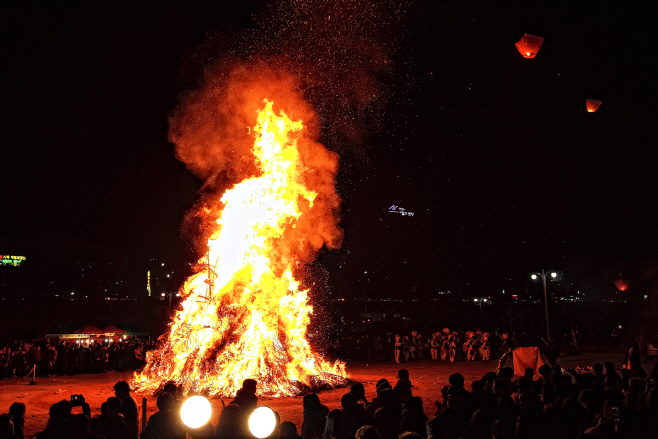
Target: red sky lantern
529 45
592 105
621 284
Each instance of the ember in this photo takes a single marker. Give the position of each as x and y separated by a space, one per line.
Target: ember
243 314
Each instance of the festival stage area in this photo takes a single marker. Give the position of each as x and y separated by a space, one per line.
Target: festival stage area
427 376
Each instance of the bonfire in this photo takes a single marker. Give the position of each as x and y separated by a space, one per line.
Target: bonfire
243 314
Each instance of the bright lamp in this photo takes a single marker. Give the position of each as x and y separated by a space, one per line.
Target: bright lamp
262 422
196 411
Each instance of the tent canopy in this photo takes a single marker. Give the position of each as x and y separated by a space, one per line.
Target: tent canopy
89 329
114 329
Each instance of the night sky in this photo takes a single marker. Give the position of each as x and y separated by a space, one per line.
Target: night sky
495 154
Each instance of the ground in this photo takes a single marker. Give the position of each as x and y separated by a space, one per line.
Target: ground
427 376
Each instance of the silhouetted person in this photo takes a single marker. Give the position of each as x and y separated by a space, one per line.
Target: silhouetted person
387 418
110 424
359 393
172 389
230 424
288 430
246 399
6 427
17 413
128 407
79 428
367 432
315 417
403 386
375 404
57 422
335 427
413 418
354 413
531 423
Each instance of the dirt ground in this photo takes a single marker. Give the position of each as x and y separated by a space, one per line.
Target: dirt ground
427 376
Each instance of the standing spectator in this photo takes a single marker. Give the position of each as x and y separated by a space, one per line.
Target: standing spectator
377 348
403 386
413 417
57 428
359 393
79 428
50 355
315 417
5 355
166 422
288 430
367 432
17 413
6 427
387 418
335 427
354 414
110 424
128 407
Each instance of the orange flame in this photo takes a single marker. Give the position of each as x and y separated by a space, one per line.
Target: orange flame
243 314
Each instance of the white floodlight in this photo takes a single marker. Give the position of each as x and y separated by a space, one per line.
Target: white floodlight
262 422
196 411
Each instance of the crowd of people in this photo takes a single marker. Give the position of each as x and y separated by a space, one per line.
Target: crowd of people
444 345
552 402
18 359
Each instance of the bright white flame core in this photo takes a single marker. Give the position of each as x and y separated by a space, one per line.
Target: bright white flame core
196 411
262 422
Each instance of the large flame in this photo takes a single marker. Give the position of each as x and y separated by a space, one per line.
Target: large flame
243 314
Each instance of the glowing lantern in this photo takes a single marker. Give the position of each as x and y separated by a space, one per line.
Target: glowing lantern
592 105
529 45
262 422
196 411
621 284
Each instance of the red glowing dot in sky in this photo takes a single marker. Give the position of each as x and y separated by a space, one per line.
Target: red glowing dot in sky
621 284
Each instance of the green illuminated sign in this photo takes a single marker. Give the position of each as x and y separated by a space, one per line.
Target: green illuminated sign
11 260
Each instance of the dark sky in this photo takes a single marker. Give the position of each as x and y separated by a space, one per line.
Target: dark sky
495 154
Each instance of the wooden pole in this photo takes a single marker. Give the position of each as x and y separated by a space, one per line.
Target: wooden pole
144 400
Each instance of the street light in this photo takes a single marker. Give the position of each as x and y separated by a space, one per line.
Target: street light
535 276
